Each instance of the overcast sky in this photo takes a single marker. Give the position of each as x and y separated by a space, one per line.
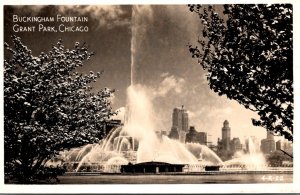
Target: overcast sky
163 63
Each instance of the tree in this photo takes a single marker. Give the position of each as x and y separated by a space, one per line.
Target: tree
48 106
248 53
276 158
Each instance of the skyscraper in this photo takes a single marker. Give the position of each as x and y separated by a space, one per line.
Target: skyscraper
193 136
279 145
180 121
268 145
226 135
174 133
235 145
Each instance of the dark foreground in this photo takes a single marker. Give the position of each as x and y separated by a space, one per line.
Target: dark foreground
177 179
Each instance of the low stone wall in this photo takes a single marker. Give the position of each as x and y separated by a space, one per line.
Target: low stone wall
191 168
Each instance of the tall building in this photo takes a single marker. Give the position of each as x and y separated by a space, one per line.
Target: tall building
268 145
203 138
226 136
193 136
288 146
224 144
279 145
284 145
235 145
174 133
180 121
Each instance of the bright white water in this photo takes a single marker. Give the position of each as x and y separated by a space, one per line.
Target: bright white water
137 141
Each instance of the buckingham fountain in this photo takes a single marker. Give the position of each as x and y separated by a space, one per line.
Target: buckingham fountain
136 141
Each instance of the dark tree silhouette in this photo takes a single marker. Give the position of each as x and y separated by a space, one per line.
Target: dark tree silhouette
248 53
48 107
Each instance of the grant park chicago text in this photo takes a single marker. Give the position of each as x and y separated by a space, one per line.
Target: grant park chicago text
42 23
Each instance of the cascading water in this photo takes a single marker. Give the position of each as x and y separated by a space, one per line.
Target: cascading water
254 160
204 154
140 126
140 123
137 141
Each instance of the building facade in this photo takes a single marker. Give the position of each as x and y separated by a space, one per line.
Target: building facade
193 136
235 145
288 146
224 144
284 145
180 123
279 145
226 136
203 138
268 145
174 133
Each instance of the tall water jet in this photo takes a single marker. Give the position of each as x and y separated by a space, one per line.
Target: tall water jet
120 146
133 43
140 122
141 126
141 17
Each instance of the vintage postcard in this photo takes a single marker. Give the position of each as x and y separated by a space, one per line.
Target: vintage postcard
149 94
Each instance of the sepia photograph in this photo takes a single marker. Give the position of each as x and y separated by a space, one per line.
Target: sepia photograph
148 94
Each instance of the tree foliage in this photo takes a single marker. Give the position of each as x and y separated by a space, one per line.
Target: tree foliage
276 158
48 106
248 53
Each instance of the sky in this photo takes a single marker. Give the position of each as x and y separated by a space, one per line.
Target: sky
162 63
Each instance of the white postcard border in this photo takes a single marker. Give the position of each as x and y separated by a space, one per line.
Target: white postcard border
159 188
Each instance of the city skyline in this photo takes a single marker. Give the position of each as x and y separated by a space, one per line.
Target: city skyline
164 65
243 138
227 146
225 130
170 126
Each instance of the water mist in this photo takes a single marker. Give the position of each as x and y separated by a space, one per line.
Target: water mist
118 148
